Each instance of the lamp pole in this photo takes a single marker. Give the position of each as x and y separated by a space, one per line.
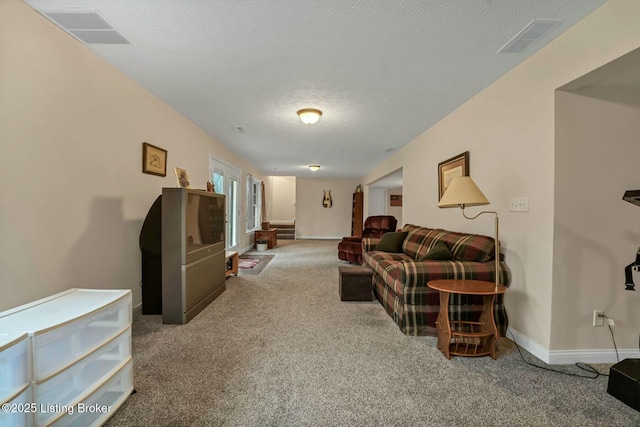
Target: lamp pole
496 242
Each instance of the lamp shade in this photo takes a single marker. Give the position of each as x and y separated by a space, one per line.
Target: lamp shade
309 115
462 191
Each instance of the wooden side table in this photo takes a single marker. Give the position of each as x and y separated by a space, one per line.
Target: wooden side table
463 338
270 235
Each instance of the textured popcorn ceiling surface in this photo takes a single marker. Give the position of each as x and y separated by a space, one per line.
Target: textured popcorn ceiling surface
382 71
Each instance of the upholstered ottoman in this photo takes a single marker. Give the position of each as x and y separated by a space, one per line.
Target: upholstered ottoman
356 283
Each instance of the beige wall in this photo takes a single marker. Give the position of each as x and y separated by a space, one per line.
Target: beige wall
72 194
509 130
596 233
281 206
313 221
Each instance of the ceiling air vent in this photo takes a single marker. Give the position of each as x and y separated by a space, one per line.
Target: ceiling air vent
86 25
531 33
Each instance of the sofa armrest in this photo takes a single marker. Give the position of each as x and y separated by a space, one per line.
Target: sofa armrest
369 243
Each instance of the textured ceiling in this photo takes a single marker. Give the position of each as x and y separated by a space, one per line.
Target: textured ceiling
382 71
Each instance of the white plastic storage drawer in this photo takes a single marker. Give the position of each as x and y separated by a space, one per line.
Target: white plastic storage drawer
20 412
56 349
14 364
67 326
102 403
64 389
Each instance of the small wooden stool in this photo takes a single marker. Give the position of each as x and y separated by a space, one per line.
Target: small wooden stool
356 283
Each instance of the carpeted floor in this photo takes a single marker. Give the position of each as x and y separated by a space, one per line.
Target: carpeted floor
281 349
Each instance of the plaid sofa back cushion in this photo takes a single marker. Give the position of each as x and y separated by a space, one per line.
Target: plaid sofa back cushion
464 247
416 240
468 247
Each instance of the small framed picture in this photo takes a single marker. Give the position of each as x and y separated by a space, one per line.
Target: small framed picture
154 160
182 177
452 168
395 200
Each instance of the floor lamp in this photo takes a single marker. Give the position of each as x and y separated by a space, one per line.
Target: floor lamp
462 192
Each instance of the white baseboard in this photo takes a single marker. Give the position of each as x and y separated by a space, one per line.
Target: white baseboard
531 346
137 308
566 357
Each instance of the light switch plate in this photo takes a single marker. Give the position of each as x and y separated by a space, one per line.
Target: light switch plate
519 204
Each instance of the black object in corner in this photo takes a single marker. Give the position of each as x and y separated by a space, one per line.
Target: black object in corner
624 382
151 248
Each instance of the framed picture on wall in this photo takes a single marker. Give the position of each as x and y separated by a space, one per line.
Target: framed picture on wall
395 200
452 168
182 177
154 160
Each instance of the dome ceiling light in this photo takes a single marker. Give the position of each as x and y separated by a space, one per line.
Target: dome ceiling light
314 167
309 116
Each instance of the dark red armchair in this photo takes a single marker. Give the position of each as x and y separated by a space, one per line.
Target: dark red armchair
350 248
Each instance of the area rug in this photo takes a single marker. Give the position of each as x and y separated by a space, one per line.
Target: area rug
253 264
248 262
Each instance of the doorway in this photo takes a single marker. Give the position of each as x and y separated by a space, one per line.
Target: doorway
380 193
225 179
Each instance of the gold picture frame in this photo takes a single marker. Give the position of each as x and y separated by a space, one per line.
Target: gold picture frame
452 168
154 160
182 177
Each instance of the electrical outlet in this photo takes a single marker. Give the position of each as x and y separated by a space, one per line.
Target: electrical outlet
519 204
598 318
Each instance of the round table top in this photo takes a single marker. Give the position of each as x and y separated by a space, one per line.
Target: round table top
468 287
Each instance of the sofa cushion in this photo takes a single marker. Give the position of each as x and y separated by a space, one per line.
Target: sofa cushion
467 247
416 243
439 251
392 242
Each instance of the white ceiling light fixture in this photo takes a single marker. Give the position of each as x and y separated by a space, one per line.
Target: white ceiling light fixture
309 116
314 167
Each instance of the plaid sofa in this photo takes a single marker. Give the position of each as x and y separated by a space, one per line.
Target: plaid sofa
400 280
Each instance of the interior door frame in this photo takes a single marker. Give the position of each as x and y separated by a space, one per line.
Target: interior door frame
230 173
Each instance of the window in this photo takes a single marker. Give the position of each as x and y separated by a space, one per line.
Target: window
218 181
254 203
